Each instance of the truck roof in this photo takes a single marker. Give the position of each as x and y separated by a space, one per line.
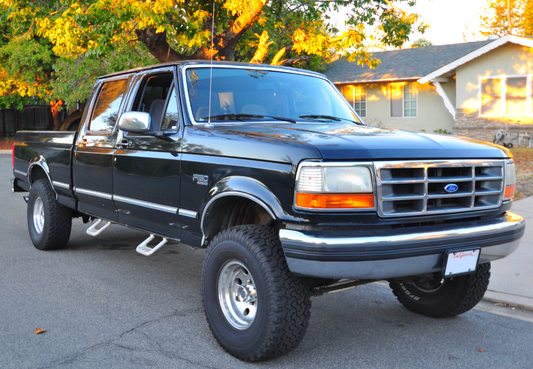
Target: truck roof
214 63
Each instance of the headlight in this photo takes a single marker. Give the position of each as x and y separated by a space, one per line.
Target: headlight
510 180
334 186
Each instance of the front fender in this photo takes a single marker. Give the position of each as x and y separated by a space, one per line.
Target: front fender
248 188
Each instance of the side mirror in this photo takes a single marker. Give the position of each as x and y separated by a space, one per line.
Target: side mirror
135 122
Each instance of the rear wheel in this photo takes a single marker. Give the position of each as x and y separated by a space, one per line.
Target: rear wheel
49 223
442 298
255 307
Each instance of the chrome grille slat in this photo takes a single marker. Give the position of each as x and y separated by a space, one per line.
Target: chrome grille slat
414 188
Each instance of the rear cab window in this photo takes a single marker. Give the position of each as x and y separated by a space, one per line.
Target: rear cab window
106 109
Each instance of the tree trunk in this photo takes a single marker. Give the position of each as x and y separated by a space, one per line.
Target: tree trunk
56 119
223 45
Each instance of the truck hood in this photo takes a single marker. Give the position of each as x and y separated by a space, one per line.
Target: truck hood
348 141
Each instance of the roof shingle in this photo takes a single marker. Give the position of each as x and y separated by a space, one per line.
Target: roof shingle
404 64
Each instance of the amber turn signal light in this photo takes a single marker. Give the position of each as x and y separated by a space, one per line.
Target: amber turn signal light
334 201
509 192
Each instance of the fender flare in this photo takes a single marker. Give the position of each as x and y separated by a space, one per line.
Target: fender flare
39 161
248 188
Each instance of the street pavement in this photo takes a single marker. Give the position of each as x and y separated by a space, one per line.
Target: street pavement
105 306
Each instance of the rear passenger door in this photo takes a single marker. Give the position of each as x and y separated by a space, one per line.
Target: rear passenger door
92 168
146 169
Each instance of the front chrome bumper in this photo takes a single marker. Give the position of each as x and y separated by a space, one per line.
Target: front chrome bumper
384 254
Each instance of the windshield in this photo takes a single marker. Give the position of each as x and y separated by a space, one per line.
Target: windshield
244 94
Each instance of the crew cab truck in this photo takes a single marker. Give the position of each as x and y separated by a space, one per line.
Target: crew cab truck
274 173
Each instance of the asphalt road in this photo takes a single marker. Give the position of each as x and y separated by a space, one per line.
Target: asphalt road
104 306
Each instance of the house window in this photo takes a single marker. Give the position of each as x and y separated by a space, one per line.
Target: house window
356 96
403 100
509 95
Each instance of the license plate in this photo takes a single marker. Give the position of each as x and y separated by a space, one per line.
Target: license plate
460 262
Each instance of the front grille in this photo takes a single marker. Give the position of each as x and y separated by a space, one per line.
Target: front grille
418 188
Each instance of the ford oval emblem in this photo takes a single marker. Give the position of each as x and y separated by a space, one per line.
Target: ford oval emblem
451 188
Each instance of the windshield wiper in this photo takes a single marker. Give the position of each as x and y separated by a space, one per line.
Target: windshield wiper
330 117
242 117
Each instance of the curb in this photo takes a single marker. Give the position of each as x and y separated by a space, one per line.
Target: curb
5 151
521 302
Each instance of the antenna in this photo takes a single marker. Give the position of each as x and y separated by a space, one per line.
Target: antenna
211 68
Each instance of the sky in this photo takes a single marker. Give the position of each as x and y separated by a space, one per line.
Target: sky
449 20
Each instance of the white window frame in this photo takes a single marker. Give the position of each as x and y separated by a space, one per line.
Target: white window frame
503 95
352 103
403 99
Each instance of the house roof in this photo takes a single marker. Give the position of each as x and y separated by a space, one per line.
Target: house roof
421 63
524 41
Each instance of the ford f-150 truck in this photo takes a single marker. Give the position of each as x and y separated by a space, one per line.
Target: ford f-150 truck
272 171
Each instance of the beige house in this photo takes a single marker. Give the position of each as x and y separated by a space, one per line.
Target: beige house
470 89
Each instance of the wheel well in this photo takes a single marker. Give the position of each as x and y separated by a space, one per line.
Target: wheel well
37 173
232 211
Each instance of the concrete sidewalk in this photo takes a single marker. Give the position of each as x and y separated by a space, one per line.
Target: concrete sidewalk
511 279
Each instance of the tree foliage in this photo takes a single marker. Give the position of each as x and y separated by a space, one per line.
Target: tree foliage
54 49
502 17
421 42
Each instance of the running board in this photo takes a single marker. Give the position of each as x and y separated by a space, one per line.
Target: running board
146 250
92 231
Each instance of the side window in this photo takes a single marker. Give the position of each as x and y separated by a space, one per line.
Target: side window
105 111
158 91
403 100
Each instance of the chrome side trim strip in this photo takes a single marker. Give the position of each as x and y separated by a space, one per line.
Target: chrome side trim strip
93 193
61 184
188 213
146 204
20 172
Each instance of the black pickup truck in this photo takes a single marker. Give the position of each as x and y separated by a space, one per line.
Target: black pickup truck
293 196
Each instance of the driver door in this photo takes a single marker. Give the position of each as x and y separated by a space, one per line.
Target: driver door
146 169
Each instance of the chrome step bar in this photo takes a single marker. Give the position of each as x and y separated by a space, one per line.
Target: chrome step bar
146 250
92 231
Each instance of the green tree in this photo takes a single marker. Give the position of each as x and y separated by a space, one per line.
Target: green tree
421 42
73 41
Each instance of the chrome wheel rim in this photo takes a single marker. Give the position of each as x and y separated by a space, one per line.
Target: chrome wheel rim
237 294
38 215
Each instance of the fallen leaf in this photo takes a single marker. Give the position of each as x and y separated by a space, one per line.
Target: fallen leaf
39 330
481 350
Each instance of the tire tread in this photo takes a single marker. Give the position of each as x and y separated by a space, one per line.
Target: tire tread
289 310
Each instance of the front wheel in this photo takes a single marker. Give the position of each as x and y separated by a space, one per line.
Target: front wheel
49 223
255 307
443 298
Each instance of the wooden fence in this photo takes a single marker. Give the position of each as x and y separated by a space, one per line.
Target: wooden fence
32 117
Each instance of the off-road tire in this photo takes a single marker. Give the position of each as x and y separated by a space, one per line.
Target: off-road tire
452 297
50 228
283 300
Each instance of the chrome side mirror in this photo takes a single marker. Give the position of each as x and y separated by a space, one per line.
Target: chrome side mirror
135 122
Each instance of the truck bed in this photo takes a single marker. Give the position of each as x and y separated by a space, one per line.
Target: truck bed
31 147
